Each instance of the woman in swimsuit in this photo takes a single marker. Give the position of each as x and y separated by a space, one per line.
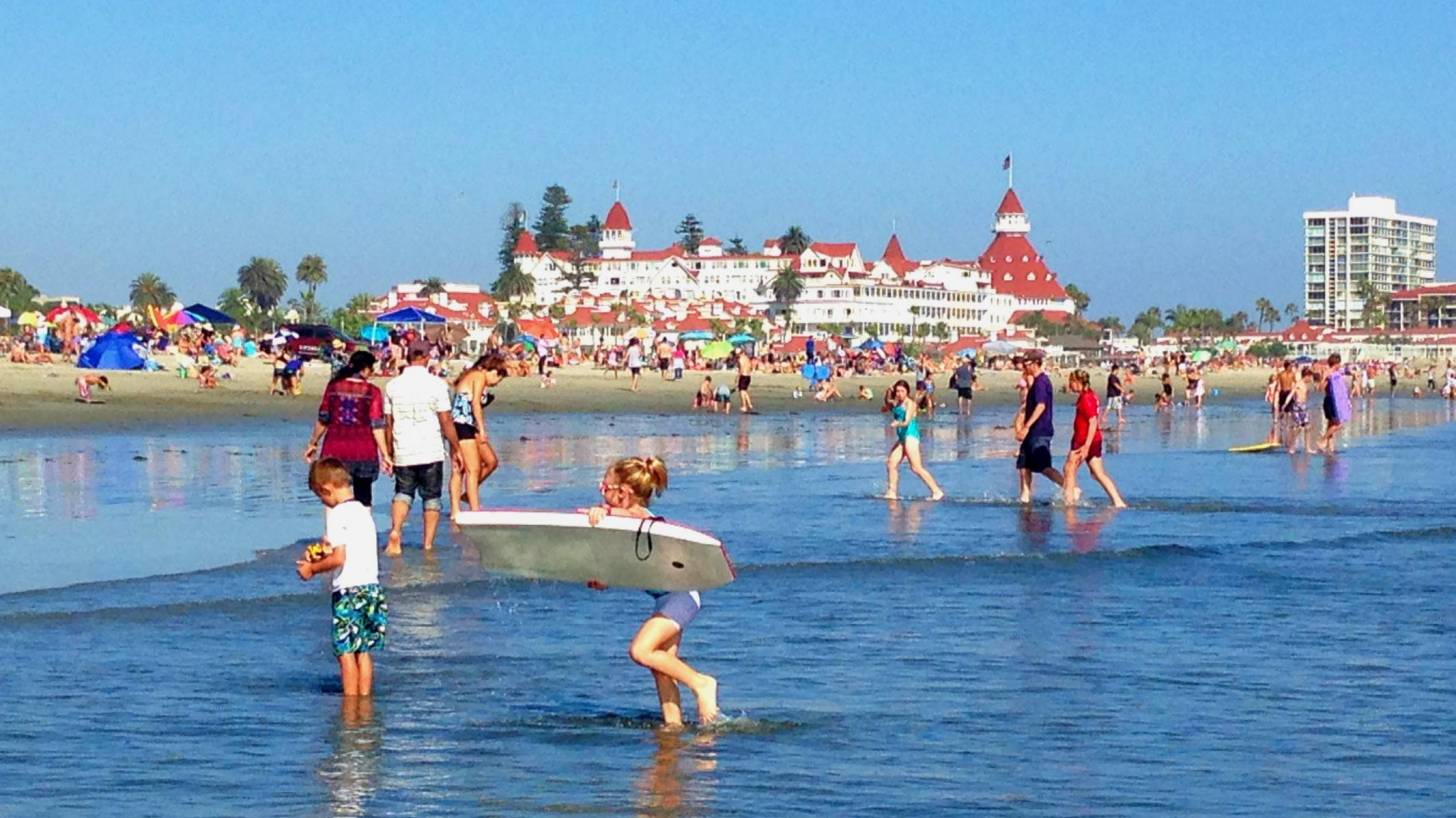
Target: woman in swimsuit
907 442
467 410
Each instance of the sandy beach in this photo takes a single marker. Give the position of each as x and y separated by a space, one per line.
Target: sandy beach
43 396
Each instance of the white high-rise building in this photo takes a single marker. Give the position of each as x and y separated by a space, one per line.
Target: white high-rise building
1366 248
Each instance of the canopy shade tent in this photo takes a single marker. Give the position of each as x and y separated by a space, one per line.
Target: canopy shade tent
872 344
209 315
740 338
4 312
696 335
538 327
1000 348
114 350
408 315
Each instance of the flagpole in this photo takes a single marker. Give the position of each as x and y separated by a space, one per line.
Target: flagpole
1010 171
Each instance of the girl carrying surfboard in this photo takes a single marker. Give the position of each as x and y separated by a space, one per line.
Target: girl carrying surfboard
627 488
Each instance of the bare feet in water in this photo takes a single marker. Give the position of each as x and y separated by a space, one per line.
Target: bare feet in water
706 693
391 547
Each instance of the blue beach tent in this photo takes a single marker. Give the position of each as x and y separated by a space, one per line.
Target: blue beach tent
206 314
112 351
409 315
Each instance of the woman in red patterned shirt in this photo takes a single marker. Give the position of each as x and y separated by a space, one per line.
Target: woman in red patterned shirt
351 425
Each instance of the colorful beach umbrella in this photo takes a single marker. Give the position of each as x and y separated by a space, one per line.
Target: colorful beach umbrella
409 315
374 334
208 315
696 335
740 338
74 309
30 319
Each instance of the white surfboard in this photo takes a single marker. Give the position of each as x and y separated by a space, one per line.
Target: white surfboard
621 552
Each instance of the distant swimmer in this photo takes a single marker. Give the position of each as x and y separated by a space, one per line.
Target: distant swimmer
627 488
1086 443
904 421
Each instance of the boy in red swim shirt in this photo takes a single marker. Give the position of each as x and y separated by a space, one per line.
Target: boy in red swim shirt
1086 443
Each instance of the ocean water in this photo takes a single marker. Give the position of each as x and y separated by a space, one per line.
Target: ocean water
1259 635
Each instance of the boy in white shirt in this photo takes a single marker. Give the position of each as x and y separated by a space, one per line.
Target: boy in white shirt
350 549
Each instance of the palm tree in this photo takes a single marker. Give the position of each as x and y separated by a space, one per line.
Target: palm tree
794 241
262 280
942 330
787 286
1262 308
1291 311
311 273
149 290
1430 307
914 320
15 292
514 284
430 286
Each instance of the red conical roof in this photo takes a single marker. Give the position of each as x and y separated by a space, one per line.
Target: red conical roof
617 218
1009 203
892 250
894 256
526 244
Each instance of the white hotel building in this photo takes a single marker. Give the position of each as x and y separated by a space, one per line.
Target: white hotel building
1366 242
893 296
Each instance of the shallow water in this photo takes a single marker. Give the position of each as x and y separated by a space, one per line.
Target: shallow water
1259 635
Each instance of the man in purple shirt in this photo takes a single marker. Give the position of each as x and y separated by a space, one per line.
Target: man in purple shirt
1034 428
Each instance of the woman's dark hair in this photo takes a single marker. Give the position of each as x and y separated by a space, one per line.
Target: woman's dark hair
361 361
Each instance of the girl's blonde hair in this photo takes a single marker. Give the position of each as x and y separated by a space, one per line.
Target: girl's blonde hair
645 476
1081 376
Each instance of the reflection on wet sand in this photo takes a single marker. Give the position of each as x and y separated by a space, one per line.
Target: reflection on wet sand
352 768
675 781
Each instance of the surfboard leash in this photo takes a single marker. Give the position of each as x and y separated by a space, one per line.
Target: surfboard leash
644 532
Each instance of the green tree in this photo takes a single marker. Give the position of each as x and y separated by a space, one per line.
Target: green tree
553 231
1112 322
16 292
263 281
234 302
311 274
1146 324
1291 311
942 330
787 286
354 315
1080 300
1430 307
513 285
512 224
149 290
691 231
794 241
585 248
430 286
736 247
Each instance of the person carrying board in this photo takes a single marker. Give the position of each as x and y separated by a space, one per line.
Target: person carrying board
627 488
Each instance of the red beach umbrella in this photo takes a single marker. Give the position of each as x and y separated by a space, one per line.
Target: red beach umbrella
85 312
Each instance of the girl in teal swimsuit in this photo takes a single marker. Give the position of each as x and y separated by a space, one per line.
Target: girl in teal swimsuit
907 442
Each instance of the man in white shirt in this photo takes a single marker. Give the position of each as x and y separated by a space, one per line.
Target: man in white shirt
417 422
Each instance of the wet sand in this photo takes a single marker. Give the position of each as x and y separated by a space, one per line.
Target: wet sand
43 396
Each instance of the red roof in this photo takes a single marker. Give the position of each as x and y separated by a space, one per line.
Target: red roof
963 343
617 218
526 244
1302 330
671 251
1010 204
1420 292
833 249
1054 316
710 241
1017 269
894 256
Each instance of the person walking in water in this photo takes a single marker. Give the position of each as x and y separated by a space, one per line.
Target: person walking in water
467 411
745 380
1336 404
1086 443
1034 428
417 417
901 406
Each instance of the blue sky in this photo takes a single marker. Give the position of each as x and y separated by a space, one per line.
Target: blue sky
1164 151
